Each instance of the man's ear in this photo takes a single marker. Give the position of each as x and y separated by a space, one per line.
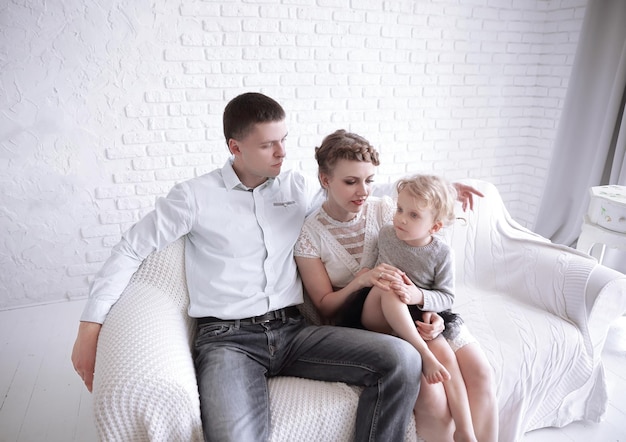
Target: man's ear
233 146
436 227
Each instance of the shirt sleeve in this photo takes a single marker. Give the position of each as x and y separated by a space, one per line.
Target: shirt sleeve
171 219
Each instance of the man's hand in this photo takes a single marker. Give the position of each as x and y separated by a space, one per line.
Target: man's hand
465 194
84 351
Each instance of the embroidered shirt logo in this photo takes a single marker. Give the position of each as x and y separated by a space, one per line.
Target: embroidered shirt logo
284 203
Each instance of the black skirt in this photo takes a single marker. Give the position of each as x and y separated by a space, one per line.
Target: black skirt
350 315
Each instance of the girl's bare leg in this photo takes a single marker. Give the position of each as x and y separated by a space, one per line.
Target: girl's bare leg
455 391
384 312
480 391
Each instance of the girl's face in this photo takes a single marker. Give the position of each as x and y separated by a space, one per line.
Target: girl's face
413 222
347 188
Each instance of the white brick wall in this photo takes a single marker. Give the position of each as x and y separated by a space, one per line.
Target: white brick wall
106 104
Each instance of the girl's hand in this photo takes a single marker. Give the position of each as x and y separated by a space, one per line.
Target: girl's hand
431 326
408 292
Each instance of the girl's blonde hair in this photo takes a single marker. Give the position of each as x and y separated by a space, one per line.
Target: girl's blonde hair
434 192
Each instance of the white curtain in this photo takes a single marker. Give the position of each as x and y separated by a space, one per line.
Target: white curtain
590 144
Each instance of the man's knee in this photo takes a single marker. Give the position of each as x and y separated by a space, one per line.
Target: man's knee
406 358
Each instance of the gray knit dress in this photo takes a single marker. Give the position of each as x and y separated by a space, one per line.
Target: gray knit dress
431 268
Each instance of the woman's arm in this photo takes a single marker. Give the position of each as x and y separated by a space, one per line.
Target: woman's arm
330 301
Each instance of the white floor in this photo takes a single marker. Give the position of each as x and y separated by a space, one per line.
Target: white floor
42 399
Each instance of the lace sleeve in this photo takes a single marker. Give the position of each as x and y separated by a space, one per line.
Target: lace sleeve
306 246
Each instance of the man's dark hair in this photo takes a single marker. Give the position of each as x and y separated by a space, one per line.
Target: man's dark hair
246 110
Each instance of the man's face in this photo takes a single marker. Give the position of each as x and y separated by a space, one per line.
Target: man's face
259 155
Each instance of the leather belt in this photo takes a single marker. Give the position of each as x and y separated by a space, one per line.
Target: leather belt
274 315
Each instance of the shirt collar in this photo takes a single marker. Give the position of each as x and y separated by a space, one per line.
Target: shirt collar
232 181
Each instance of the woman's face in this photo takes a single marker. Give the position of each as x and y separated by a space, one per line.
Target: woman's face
348 187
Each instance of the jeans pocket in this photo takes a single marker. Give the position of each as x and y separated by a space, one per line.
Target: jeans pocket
212 331
295 320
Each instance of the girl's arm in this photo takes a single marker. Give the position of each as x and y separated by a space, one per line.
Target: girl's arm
439 294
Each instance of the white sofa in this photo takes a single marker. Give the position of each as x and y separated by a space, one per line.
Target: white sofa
540 311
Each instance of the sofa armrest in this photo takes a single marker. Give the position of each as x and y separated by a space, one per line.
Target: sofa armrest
145 386
570 285
606 301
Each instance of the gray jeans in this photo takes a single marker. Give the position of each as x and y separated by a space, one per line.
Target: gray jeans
233 362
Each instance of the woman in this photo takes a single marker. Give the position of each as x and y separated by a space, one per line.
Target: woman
336 254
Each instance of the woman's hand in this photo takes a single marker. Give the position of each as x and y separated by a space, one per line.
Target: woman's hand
465 194
430 326
381 276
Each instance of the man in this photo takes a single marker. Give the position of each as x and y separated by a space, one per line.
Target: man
240 224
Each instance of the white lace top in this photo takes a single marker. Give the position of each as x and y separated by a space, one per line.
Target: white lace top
345 247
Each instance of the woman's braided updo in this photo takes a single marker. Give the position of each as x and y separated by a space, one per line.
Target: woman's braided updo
342 145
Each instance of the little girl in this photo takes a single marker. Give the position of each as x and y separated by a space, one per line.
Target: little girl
425 204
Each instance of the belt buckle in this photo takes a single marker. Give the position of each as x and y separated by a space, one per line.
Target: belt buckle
263 319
